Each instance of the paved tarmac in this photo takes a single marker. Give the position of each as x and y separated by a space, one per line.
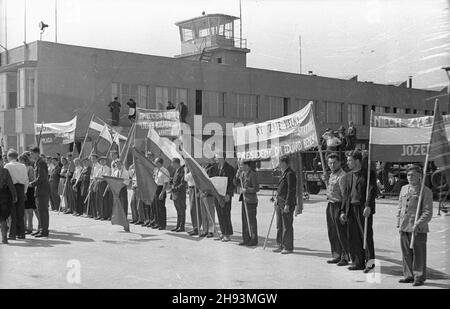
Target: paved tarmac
83 253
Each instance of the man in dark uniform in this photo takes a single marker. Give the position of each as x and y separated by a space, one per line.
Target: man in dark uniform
41 193
55 177
224 214
179 195
8 196
355 208
131 110
182 109
285 206
114 107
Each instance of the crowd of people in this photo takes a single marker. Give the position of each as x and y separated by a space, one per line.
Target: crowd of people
31 183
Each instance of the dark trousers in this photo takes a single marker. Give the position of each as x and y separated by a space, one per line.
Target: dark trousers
285 229
253 224
415 259
123 196
337 233
146 208
355 230
224 217
42 208
180 206
92 204
153 211
18 213
55 199
160 208
134 207
194 204
78 202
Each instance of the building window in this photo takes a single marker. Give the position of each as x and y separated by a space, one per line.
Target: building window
214 103
219 60
142 95
245 106
286 104
198 102
401 111
356 114
181 95
415 111
379 109
11 88
333 112
297 105
275 107
3 92
407 111
11 141
127 92
26 87
394 110
162 97
387 109
115 91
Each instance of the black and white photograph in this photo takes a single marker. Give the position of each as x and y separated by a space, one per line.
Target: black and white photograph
228 149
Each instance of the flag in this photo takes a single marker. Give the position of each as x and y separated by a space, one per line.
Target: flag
439 144
118 217
56 133
201 179
162 147
123 154
144 177
103 142
115 146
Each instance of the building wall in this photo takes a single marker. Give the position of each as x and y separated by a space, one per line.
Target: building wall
78 80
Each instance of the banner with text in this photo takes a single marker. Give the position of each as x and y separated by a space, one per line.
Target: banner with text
56 133
275 138
401 138
166 123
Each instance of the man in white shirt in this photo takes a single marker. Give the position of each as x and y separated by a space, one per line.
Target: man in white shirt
104 201
162 179
196 216
121 172
19 176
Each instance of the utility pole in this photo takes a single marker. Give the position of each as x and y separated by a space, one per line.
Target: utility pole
300 51
240 24
56 21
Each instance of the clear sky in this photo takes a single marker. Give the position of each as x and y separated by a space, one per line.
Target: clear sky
378 40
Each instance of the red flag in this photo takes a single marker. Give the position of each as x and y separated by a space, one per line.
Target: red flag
118 217
144 177
201 179
439 145
103 143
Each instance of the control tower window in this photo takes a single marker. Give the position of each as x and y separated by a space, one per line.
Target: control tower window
188 34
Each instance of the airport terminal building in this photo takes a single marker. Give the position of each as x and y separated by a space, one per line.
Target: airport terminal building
51 82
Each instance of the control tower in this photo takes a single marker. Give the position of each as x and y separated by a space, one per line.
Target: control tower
211 38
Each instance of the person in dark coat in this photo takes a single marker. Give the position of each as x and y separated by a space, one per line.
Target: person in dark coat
183 110
285 206
248 181
131 110
224 213
356 206
178 195
114 107
41 193
8 197
55 177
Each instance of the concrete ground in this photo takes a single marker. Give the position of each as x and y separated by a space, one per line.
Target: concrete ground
104 256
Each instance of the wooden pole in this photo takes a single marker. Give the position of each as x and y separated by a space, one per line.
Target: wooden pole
422 186
366 219
245 208
197 208
40 135
85 137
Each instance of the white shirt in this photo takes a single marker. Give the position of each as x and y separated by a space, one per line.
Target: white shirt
95 168
103 170
190 180
123 173
19 173
161 176
77 172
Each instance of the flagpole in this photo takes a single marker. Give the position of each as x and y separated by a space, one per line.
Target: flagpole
322 161
422 186
197 210
245 208
40 134
85 136
366 219
274 209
